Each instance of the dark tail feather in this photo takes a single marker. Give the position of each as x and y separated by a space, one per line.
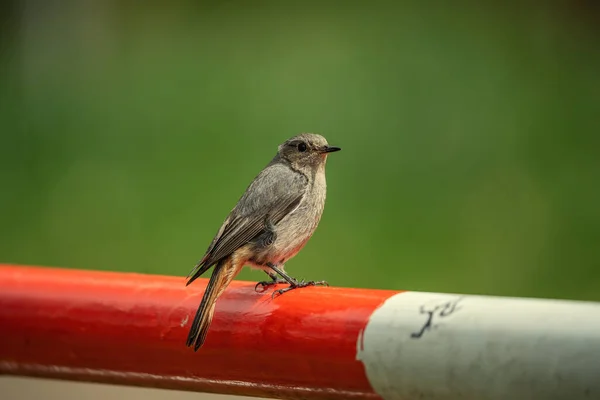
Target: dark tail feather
197 271
220 278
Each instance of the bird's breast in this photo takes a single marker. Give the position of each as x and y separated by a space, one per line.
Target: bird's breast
295 229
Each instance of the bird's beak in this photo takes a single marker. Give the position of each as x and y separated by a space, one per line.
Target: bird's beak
331 149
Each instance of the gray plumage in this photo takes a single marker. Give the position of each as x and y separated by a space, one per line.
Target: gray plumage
269 225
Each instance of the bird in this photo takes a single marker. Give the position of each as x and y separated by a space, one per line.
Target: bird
271 222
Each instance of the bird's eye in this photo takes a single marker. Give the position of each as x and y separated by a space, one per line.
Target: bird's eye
301 147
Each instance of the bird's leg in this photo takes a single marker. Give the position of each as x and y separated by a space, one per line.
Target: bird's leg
274 281
286 277
294 284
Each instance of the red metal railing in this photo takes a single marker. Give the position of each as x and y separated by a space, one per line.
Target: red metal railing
131 329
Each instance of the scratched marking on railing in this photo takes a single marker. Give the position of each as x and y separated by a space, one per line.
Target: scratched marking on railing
438 311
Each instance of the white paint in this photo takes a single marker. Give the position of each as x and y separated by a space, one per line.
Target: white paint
184 320
482 348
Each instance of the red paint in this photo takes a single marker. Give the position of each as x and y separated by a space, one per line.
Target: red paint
131 329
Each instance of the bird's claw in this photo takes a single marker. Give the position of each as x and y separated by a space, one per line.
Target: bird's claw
266 284
300 284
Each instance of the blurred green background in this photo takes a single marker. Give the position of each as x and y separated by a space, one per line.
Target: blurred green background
470 135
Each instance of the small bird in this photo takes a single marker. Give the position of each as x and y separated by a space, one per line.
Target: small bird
269 225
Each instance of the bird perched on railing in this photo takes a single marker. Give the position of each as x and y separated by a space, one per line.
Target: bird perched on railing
269 225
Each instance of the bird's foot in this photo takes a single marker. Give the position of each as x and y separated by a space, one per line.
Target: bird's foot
266 284
298 285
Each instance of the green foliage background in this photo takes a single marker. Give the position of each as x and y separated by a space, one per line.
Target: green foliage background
470 157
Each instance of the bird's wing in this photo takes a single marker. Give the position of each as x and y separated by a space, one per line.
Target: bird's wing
273 194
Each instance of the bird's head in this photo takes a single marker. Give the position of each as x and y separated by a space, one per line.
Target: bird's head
306 151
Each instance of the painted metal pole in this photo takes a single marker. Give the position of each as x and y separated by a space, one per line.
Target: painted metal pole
314 343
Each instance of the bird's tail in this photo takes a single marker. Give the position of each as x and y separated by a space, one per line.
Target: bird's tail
222 275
